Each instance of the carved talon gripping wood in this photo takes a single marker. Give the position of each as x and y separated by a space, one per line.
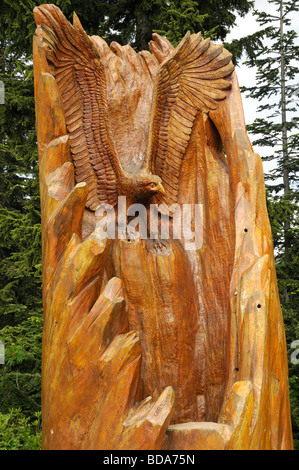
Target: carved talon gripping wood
149 344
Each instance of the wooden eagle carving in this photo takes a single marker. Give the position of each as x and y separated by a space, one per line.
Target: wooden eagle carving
195 76
174 348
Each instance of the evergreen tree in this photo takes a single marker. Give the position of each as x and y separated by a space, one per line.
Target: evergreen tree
20 238
20 246
276 130
179 17
133 21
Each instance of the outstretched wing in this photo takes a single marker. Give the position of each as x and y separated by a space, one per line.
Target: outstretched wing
196 76
80 76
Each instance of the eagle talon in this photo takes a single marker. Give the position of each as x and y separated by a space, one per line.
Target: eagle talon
160 246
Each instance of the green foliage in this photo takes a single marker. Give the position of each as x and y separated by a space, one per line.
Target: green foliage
291 319
276 45
127 21
17 21
179 17
133 21
20 233
20 271
246 45
20 375
222 14
18 432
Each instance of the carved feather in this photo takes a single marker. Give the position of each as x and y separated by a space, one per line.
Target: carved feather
80 76
193 77
196 76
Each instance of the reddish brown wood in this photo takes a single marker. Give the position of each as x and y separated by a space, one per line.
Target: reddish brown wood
148 345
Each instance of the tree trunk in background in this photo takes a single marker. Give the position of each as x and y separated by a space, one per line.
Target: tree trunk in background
143 31
286 181
147 347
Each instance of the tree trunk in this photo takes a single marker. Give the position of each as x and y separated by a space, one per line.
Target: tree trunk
154 348
286 181
143 31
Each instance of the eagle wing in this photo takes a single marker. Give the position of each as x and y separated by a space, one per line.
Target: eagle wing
195 77
80 76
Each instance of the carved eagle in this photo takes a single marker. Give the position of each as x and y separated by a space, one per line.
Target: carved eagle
196 76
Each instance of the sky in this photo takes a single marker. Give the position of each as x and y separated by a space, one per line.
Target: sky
246 75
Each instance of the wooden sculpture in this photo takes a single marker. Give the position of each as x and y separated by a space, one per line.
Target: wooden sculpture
149 344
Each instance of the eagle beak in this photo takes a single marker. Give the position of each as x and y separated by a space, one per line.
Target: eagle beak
160 189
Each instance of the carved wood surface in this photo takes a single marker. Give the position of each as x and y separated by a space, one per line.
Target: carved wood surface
146 345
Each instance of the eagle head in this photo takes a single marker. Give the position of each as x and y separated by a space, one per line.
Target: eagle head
142 186
149 185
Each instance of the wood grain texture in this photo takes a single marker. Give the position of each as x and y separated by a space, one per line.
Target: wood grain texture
91 362
80 77
149 345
